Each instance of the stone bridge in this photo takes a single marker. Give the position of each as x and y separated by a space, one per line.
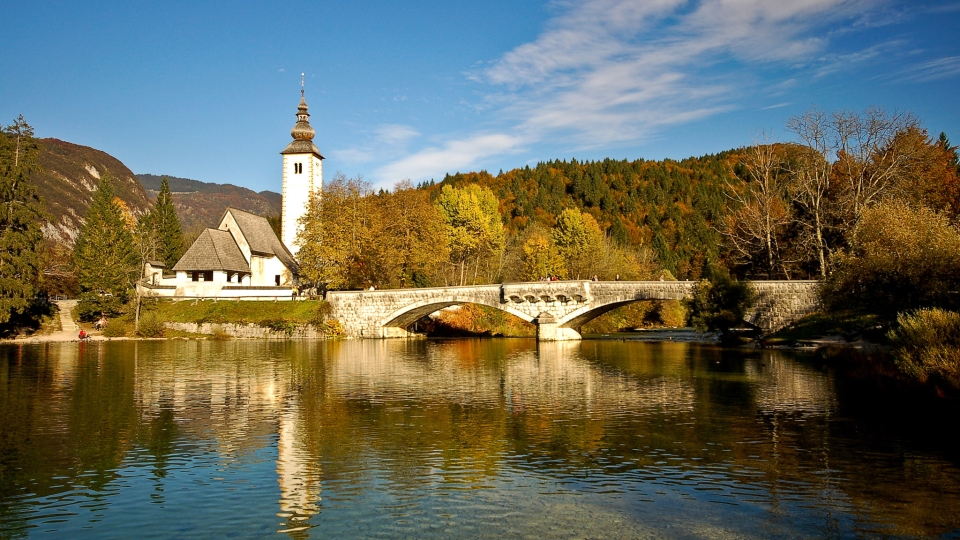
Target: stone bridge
558 308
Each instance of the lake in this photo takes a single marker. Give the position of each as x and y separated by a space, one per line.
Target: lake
473 438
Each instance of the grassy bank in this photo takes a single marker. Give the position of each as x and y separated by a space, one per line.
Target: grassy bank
275 316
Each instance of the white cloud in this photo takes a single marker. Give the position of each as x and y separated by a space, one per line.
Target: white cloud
615 71
395 134
454 155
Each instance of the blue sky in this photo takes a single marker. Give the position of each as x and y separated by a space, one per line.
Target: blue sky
406 90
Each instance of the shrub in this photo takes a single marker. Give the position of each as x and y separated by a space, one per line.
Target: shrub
150 326
218 333
900 259
116 328
927 345
331 328
280 325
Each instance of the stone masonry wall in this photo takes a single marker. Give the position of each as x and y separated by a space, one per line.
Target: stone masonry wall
245 331
781 303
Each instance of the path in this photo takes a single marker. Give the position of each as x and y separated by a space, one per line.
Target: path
68 327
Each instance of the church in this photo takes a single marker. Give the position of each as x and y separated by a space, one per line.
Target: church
242 259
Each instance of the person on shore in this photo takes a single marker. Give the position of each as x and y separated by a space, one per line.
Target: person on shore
102 323
82 335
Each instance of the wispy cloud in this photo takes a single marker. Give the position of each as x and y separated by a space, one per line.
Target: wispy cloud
395 134
452 156
617 71
777 106
933 70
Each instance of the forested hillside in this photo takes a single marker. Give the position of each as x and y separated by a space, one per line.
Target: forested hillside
673 207
201 204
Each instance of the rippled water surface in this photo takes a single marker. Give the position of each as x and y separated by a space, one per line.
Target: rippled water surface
458 438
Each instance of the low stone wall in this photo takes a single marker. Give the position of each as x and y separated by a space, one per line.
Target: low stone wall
246 331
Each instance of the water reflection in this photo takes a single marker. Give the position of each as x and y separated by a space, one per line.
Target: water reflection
439 438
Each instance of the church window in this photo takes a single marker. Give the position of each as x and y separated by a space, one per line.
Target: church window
276 279
298 168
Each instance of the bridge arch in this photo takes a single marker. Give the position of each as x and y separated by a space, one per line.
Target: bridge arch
409 314
589 312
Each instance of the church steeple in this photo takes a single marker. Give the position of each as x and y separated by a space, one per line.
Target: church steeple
302 174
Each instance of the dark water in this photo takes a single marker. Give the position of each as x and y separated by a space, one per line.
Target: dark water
459 438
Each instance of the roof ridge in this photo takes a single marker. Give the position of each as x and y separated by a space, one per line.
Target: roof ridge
216 247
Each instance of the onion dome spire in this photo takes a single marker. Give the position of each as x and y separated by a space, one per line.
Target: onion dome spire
302 132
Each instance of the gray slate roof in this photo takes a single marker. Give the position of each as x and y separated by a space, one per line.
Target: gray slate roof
302 147
213 250
261 238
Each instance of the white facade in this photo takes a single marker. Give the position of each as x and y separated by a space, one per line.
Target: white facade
302 177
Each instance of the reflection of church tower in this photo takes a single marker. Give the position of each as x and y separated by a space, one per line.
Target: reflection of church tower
302 175
298 473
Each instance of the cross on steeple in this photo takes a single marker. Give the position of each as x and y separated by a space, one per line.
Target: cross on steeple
301 85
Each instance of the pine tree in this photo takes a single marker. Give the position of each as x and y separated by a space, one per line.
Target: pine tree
166 226
21 215
104 255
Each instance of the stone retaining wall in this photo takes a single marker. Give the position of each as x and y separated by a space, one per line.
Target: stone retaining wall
246 331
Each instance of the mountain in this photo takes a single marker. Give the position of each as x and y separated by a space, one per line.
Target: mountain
68 177
201 204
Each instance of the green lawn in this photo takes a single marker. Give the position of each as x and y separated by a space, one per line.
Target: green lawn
239 312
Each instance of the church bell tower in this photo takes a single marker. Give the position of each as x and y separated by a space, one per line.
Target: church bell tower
302 175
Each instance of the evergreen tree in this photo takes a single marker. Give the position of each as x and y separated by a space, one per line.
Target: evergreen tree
104 255
166 226
21 215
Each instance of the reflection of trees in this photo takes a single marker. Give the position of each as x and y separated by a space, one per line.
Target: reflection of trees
62 423
419 417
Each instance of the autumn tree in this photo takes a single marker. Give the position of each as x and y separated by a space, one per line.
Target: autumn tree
413 237
21 216
762 212
104 254
475 230
337 236
580 242
930 177
539 256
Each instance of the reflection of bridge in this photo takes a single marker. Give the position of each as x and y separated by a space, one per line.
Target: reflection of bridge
558 308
